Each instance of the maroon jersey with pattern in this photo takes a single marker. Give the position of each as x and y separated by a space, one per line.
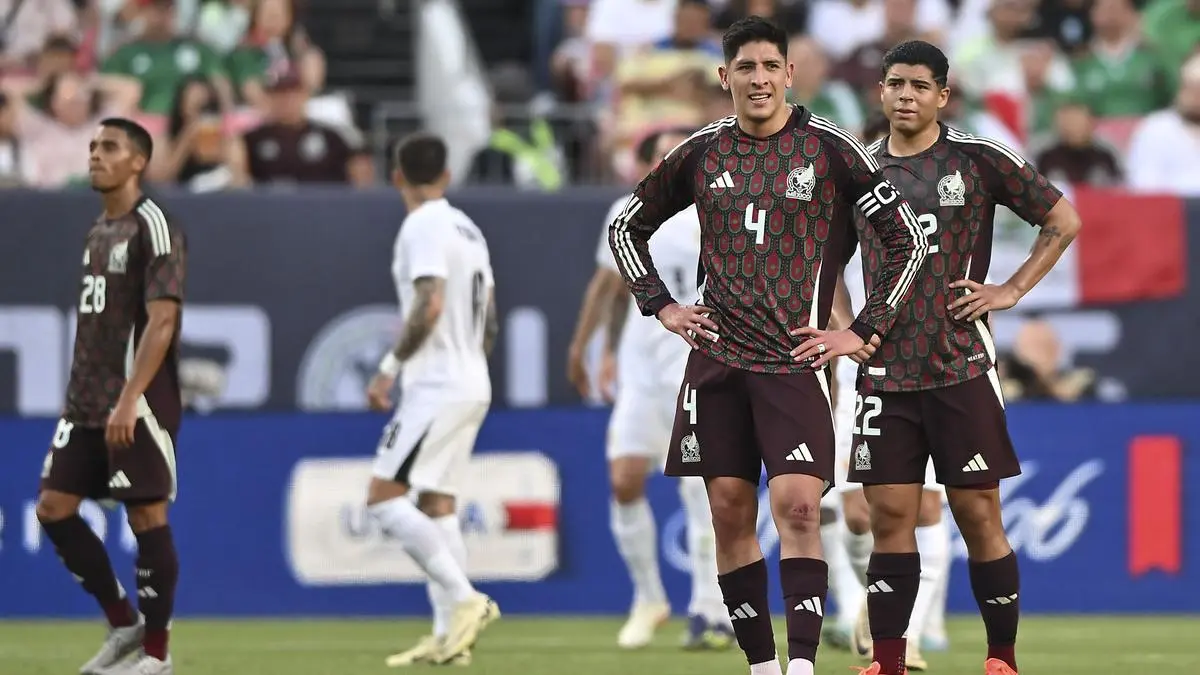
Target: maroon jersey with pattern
954 187
128 262
776 226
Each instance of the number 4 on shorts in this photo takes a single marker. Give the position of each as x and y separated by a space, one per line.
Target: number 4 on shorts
689 403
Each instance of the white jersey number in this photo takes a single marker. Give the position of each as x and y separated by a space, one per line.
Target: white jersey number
929 224
689 403
94 296
756 221
875 405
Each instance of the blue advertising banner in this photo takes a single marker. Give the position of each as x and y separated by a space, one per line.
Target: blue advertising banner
269 520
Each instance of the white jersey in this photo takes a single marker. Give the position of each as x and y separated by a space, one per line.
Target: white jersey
438 240
650 356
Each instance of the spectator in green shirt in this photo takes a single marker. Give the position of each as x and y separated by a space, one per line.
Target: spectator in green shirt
1121 76
1174 27
274 41
161 60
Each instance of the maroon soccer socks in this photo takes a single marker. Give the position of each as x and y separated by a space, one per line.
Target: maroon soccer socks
157 574
84 556
745 593
892 582
805 583
996 585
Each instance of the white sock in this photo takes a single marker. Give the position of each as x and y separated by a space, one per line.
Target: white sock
933 543
935 539
858 548
767 668
439 598
848 593
422 540
706 598
800 667
637 539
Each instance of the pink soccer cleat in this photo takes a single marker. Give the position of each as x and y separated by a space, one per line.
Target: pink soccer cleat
997 667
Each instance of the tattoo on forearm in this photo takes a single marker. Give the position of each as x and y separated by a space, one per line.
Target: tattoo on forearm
1051 234
419 324
491 328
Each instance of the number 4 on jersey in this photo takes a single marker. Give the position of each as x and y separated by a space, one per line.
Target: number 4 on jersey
756 221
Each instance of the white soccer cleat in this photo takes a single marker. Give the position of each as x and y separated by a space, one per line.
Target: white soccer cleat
120 643
423 652
470 618
912 658
860 638
142 665
644 619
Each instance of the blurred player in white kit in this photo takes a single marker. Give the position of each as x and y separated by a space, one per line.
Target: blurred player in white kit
649 371
443 276
848 543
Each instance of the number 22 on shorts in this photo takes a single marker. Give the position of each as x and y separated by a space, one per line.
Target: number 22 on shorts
689 403
873 405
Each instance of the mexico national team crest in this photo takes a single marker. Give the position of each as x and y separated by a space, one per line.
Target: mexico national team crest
689 448
952 191
118 258
862 457
800 183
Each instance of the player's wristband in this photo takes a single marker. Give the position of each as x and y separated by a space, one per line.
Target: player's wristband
863 331
656 304
390 365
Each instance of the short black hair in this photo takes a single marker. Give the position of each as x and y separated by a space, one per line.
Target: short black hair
752 29
421 158
139 138
918 53
646 147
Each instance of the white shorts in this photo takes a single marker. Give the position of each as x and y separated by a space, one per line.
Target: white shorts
641 424
843 418
428 443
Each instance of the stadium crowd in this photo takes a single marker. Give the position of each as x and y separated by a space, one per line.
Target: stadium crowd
231 89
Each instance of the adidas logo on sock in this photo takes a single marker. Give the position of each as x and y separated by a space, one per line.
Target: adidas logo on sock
976 464
722 181
812 604
745 611
1003 600
880 586
800 454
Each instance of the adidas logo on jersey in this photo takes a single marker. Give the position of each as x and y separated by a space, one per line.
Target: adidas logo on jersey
723 181
812 604
800 454
743 612
976 464
119 481
880 586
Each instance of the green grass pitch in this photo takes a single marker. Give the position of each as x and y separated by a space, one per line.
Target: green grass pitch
586 646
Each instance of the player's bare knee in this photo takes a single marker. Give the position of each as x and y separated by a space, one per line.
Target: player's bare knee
734 505
437 504
855 512
931 509
144 517
627 477
380 490
796 508
977 514
54 506
894 510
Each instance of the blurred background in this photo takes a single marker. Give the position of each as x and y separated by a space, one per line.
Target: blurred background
273 120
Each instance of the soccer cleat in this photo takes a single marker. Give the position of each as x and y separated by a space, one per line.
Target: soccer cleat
702 635
470 619
861 642
912 658
142 665
997 667
120 643
872 669
935 643
644 619
423 652
836 637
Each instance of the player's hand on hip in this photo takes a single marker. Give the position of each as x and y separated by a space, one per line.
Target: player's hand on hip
689 322
981 299
821 346
118 433
379 392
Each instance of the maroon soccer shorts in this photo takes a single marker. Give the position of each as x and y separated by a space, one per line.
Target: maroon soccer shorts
732 422
80 463
963 427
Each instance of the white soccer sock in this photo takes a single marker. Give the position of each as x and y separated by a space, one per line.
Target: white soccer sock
848 593
422 540
933 543
636 535
800 667
858 548
439 598
706 598
768 668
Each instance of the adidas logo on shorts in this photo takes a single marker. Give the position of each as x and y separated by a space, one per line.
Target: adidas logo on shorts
800 454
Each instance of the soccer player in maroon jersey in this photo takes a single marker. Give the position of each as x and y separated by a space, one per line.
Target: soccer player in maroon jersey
931 389
116 438
774 186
